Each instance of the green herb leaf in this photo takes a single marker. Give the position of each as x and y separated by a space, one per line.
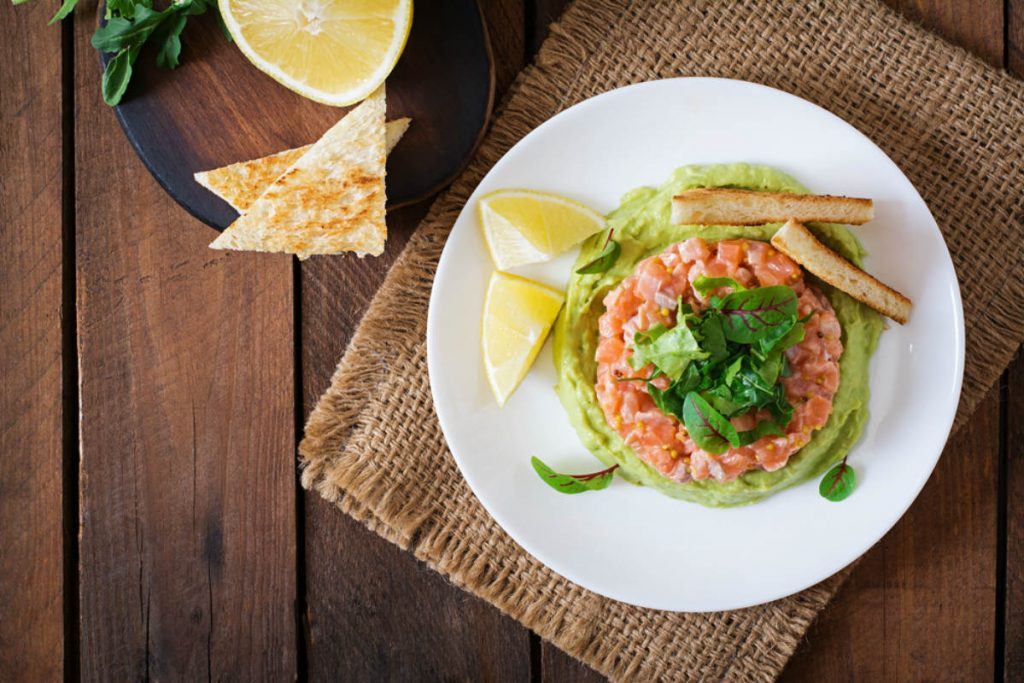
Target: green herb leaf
573 483
761 316
713 337
123 8
168 36
605 260
708 428
65 9
704 284
762 429
669 350
116 76
838 483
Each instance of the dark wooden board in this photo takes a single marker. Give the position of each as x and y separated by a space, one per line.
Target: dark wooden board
187 477
217 108
31 411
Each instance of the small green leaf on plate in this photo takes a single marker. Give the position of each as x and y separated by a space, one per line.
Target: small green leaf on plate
573 483
605 260
838 482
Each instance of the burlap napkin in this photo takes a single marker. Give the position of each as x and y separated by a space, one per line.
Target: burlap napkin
953 124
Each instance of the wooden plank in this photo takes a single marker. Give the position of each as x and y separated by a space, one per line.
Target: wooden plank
1013 633
976 26
921 604
31 415
373 611
187 496
505 20
559 667
1015 37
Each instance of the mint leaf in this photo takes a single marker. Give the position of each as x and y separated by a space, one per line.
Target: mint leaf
573 483
605 260
63 11
704 284
669 350
838 483
708 428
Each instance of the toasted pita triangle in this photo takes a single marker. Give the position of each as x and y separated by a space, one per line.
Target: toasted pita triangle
241 184
330 200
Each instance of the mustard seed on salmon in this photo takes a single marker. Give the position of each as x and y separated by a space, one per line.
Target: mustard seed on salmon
652 296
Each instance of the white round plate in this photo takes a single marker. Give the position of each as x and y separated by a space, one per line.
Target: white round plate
631 543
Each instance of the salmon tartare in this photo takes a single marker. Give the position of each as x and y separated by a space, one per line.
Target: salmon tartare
653 295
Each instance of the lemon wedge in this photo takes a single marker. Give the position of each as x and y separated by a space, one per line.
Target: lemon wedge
524 226
331 51
518 314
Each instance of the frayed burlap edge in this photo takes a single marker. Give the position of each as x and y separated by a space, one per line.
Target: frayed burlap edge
355 455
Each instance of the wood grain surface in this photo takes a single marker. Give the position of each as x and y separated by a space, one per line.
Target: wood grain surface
31 377
185 355
197 556
201 116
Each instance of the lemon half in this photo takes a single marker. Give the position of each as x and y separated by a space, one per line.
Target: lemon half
518 314
525 226
332 51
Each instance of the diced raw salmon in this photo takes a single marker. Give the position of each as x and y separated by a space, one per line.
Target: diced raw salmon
648 297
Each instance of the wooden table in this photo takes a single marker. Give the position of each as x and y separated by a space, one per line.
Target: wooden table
152 393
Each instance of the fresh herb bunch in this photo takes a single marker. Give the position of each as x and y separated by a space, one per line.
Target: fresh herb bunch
129 25
724 362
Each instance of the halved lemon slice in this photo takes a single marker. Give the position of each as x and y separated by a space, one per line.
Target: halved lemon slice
518 314
332 51
524 226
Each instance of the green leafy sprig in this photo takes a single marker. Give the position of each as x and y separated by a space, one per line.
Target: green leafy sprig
573 483
130 24
725 362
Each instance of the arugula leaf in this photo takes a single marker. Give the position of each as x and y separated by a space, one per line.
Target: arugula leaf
120 32
168 36
669 350
713 337
605 260
708 428
573 483
128 24
63 11
704 284
117 74
838 483
123 8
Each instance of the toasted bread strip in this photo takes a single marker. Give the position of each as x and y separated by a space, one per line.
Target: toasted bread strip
719 206
797 242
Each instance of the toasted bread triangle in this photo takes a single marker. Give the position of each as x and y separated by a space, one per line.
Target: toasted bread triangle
242 183
330 200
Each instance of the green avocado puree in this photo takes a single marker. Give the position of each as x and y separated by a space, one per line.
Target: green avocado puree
642 227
